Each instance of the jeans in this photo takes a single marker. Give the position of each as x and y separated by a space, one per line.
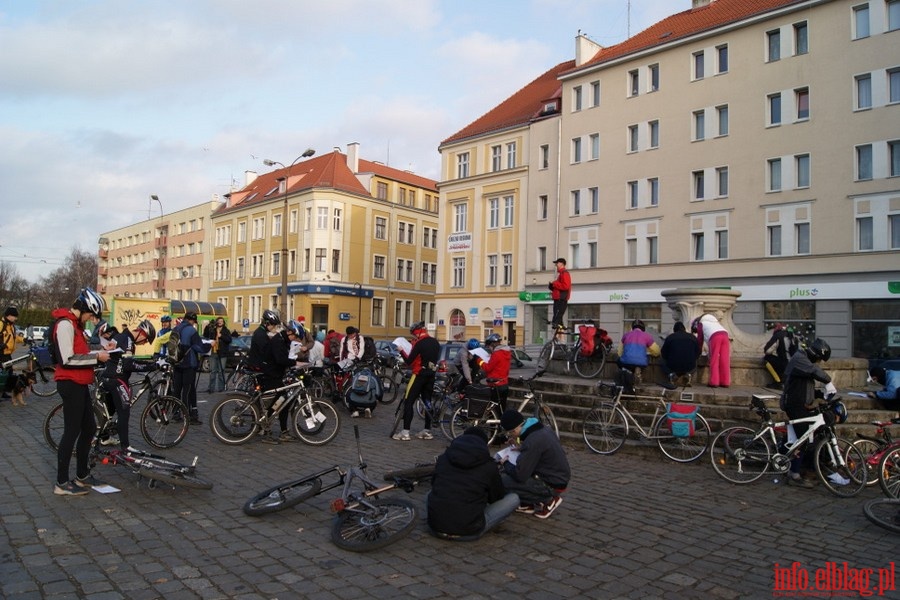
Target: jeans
499 510
216 373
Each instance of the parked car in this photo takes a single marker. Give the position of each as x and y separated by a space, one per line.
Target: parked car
237 349
449 351
36 332
386 349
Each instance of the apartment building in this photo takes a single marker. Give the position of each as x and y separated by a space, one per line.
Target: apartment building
750 144
358 240
162 257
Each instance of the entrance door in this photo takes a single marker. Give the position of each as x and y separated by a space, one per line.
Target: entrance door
319 317
511 333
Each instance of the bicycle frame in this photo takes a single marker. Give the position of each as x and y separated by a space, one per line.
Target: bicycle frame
630 420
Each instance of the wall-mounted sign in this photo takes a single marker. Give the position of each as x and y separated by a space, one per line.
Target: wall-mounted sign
344 316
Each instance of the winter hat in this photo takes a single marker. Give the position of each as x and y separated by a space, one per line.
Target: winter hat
511 419
11 311
477 432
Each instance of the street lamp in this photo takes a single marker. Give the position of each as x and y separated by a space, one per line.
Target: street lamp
154 198
284 226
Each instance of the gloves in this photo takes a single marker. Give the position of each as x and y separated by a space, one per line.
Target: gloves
830 390
550 286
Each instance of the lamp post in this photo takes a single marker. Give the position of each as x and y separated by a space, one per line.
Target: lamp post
358 287
154 198
284 227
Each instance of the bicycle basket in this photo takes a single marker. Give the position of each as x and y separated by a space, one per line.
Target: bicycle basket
682 419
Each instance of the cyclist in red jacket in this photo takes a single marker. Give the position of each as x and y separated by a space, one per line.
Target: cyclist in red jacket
496 370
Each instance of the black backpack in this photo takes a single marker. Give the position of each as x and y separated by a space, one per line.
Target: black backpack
369 349
51 343
174 348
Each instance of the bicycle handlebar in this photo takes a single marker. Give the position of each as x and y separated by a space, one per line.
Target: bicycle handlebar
13 361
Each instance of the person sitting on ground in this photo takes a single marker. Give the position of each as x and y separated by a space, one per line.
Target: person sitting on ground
776 353
467 496
541 470
889 397
679 354
636 349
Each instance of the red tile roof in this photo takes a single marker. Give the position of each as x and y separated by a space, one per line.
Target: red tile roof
518 109
684 24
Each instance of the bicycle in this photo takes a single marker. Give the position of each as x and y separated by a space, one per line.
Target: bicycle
363 521
439 408
889 472
239 416
587 366
477 411
241 378
874 447
394 374
742 455
39 363
607 425
884 512
162 424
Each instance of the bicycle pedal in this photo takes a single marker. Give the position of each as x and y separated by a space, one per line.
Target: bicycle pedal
338 505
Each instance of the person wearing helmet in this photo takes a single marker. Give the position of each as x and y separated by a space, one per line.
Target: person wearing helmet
799 395
636 349
117 372
465 364
184 375
162 335
710 331
73 375
270 355
423 359
219 337
496 370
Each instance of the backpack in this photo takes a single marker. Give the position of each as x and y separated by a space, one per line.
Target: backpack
586 334
333 348
365 390
370 352
52 344
174 348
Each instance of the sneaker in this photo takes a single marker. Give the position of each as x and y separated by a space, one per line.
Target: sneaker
527 509
425 434
110 441
402 436
799 481
547 509
354 414
69 489
286 437
89 481
270 439
368 413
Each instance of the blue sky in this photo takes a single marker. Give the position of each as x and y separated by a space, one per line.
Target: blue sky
105 102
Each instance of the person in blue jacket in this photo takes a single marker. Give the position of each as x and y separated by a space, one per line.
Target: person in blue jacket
184 375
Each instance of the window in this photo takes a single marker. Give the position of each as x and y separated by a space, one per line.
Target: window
654 77
242 232
894 85
380 228
802 98
320 260
698 177
322 217
863 91
699 125
774 109
894 231
722 182
864 162
631 252
595 146
576 202
632 138
633 83
864 233
774 240
508 211
460 217
402 201
801 235
774 174
259 228
722 114
511 155
576 98
698 241
722 244
722 59
381 190
861 21
542 258
592 254
632 194
893 9
595 199
493 213
336 219
576 150
653 190
335 261
652 250
698 65
240 268
545 156
459 272
507 269
773 45
802 168
894 157
276 263
462 165
496 156
543 205
595 93
801 38
492 270
654 134
378 271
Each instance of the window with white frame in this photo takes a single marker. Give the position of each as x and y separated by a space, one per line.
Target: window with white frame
576 98
654 134
294 221
893 15
864 162
543 207
865 237
877 222
642 242
773 175
699 65
698 245
460 217
788 229
276 225
594 194
259 228
542 258
698 179
493 213
308 215
378 267
545 156
583 242
576 150
801 99
321 218
632 138
378 312
256 265
633 83
508 211
801 238
459 273
403 313
336 215
863 91
721 182
722 118
511 155
292 262
633 194
575 209
773 45
594 140
240 268
722 59
380 228
861 21
496 157
893 85
894 158
595 93
801 38
401 232
654 77
507 269
276 264
242 232
801 168
320 260
773 107
699 125
462 165
653 190
255 303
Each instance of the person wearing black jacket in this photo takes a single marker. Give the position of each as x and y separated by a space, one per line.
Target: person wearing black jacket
679 354
269 350
467 497
422 360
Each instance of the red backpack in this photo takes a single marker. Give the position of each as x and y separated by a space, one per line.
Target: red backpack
586 333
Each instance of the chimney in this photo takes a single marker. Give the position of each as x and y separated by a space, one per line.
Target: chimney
353 156
585 49
249 177
701 3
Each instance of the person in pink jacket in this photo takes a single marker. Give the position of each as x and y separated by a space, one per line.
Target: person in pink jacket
709 330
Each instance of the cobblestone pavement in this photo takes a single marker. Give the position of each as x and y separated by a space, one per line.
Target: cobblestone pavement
629 527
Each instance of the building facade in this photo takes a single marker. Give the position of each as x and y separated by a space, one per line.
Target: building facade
751 145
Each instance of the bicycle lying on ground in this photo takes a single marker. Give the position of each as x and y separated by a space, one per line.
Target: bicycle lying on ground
363 520
607 424
163 421
239 416
742 455
587 365
483 410
884 512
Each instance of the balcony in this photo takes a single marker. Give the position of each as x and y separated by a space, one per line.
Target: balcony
101 288
103 253
159 284
162 241
103 271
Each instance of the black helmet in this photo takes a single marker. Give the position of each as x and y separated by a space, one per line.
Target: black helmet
638 324
818 350
270 317
494 338
148 329
416 327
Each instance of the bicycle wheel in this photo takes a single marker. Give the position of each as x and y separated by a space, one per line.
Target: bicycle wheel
416 473
235 419
44 384
54 425
164 422
588 366
373 524
605 428
177 477
682 449
739 456
889 473
282 496
316 422
545 357
872 451
444 420
389 387
488 421
884 512
840 466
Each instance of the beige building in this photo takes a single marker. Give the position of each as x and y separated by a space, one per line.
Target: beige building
750 145
360 245
162 257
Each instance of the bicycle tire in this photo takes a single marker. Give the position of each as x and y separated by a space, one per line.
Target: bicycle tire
175 477
889 473
416 473
164 422
605 429
53 427
445 419
283 495
739 456
872 451
398 420
682 449
315 422
545 357
373 525
235 419
843 480
489 422
44 385
543 413
884 512
588 367
389 393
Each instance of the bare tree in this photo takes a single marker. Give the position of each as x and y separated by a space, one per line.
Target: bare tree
61 286
14 289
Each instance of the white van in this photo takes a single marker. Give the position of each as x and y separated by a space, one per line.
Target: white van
36 332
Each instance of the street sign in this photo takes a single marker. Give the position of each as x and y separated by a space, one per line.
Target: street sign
344 316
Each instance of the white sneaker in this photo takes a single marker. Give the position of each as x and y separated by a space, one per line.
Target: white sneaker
110 441
402 436
368 413
354 414
425 434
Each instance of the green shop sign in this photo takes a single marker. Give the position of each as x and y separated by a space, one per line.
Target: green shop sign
534 296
